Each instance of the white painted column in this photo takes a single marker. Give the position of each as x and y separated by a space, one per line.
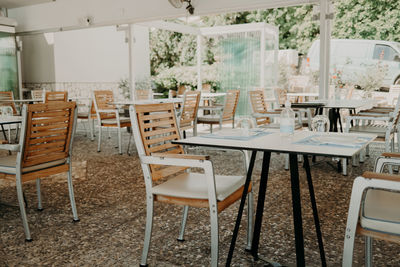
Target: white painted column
325 42
262 59
139 55
199 63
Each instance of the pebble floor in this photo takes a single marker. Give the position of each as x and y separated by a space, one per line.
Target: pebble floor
111 206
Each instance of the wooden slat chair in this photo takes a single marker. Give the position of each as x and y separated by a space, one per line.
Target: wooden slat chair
225 113
38 95
385 125
188 113
87 112
9 97
143 94
166 164
108 115
374 210
263 116
44 149
56 97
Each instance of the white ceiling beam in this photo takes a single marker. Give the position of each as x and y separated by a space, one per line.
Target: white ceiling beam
77 14
170 26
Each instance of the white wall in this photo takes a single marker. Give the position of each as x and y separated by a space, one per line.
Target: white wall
38 58
91 55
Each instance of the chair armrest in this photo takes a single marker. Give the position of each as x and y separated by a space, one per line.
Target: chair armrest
181 156
381 176
390 155
10 147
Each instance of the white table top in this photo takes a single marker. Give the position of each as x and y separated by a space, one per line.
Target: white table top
211 95
10 119
148 101
274 142
302 94
350 103
20 100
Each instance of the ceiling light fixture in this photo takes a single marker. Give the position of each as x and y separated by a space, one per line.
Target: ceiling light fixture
179 3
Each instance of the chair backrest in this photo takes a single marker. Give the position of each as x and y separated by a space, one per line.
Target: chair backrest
47 131
181 89
154 127
298 83
171 93
231 101
38 94
396 112
190 106
9 96
206 87
56 97
280 96
259 105
102 100
142 94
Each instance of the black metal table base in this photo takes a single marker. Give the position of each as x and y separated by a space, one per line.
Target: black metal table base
296 204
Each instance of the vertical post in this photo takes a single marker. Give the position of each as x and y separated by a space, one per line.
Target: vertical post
130 37
19 65
324 58
199 61
262 58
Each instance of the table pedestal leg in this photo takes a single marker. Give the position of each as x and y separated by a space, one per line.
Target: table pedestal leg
260 204
315 211
296 203
241 207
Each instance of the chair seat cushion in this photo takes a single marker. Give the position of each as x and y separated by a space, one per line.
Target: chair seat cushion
208 118
381 211
194 185
379 130
8 165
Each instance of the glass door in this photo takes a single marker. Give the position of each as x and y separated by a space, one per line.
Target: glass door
8 62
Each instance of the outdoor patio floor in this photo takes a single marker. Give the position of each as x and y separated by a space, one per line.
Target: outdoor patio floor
110 197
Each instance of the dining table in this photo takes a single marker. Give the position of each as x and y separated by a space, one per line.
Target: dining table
6 120
264 141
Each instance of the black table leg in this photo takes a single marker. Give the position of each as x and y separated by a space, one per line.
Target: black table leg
4 132
339 119
296 203
241 207
315 211
260 204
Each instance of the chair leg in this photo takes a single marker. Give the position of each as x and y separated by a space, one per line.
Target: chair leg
119 141
286 161
183 224
352 219
22 209
39 195
211 127
214 236
147 233
99 143
71 194
250 220
91 127
368 251
344 166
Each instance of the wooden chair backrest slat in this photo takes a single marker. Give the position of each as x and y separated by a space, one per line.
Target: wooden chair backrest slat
102 100
190 106
231 101
280 95
156 140
37 94
49 129
9 95
56 97
142 94
259 105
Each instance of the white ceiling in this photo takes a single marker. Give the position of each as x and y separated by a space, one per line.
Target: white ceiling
20 3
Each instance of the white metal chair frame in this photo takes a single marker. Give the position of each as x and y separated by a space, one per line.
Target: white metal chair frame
188 113
185 161
371 181
114 120
88 113
53 165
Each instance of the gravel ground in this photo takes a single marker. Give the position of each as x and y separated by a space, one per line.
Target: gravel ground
111 205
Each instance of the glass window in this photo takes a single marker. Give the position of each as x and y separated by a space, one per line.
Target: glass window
385 52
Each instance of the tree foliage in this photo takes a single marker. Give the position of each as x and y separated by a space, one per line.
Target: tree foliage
354 19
